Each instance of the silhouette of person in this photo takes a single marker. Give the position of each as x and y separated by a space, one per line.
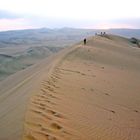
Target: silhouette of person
85 41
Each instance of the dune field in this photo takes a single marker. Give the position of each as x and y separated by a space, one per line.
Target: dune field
85 92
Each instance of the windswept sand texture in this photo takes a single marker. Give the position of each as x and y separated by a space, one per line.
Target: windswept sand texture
15 92
92 93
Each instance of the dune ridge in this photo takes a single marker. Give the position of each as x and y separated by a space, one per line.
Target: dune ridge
15 92
91 93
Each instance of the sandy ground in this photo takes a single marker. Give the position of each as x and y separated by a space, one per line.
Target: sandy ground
15 92
92 93
88 92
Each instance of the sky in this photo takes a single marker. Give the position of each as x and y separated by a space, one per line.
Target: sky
93 14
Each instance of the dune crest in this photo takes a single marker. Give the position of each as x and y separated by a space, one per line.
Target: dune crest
91 93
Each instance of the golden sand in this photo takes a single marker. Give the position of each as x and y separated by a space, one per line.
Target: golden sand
86 92
92 93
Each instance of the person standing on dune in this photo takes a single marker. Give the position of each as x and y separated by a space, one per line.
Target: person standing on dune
85 41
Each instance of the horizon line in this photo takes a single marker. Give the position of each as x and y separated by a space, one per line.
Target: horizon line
10 30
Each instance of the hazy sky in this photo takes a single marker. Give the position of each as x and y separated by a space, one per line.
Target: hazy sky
24 14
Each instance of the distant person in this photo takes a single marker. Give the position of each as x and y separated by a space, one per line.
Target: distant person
104 33
85 41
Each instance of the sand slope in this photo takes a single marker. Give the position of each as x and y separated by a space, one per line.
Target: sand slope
92 92
15 92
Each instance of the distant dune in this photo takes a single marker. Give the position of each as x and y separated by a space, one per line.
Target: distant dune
84 92
12 63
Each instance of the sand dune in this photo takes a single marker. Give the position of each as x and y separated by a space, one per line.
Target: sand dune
15 92
87 92
92 93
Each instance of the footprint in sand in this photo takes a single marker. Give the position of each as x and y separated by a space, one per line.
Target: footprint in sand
107 94
136 111
54 113
83 74
112 111
56 126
